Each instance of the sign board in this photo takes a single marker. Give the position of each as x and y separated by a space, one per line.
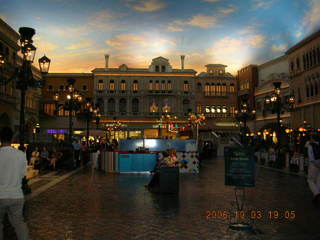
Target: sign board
239 167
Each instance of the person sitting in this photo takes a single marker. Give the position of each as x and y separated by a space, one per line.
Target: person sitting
55 156
35 157
154 183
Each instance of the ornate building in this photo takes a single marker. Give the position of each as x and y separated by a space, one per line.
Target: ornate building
304 70
216 97
9 95
138 97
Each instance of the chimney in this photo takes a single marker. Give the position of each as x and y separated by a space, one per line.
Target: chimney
182 62
106 57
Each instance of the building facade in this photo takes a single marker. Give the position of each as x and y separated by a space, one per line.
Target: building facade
304 71
276 70
216 97
139 97
9 95
54 119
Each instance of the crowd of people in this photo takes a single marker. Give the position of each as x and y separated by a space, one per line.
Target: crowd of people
43 159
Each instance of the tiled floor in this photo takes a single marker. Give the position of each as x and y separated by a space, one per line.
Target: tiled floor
96 206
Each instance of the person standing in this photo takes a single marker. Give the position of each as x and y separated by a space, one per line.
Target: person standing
13 168
313 150
76 149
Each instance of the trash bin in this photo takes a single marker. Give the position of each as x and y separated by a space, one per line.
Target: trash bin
169 179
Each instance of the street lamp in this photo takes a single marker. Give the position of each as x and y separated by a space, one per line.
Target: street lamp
72 103
91 111
24 75
196 120
277 105
242 115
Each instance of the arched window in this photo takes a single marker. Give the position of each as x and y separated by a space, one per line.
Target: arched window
311 88
163 85
212 89
123 105
135 86
207 89
111 105
185 105
157 87
186 86
304 61
169 86
123 85
223 89
112 85
135 105
150 85
100 85
218 89
231 88
307 90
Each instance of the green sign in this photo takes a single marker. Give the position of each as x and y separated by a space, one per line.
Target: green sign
239 167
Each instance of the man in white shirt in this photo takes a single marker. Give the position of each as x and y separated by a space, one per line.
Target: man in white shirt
13 165
313 171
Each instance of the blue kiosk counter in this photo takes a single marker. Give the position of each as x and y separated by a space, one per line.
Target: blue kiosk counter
128 160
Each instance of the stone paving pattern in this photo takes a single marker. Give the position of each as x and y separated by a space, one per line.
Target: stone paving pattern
95 206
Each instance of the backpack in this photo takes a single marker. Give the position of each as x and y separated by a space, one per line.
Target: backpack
316 150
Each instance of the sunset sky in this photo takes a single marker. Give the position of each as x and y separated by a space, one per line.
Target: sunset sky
76 34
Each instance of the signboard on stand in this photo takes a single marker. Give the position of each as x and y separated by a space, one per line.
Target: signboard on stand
239 167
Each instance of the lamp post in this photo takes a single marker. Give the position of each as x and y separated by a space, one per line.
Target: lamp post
196 120
72 103
24 74
277 105
243 115
91 111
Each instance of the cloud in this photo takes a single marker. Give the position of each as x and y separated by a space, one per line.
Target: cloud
312 17
151 44
98 21
298 34
174 28
146 5
211 1
80 44
249 30
202 21
228 10
279 48
44 46
235 51
262 4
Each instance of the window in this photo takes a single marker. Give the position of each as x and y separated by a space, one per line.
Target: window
154 107
123 85
150 85
100 85
298 63
157 68
157 86
163 68
49 108
112 85
111 105
315 87
231 88
207 89
304 62
62 88
199 108
218 89
135 85
185 105
213 89
123 105
84 88
135 105
100 104
169 86
62 113
223 89
307 90
185 86
163 85
311 89
232 109
50 88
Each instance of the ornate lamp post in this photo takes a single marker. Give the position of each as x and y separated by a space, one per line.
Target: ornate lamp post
23 75
91 111
243 115
277 105
196 120
72 103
